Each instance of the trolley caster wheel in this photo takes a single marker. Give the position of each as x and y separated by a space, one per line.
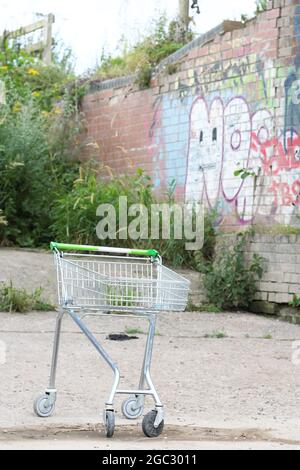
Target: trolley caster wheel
130 410
109 423
148 425
42 407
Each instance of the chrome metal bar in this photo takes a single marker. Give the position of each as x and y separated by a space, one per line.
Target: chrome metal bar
134 392
148 359
55 349
102 353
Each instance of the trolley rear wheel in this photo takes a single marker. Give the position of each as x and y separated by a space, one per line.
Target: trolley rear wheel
109 423
130 409
42 407
148 425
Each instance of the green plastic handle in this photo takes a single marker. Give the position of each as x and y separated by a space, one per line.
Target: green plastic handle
120 251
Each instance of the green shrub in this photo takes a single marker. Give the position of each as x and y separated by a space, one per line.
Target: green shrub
39 128
205 256
74 213
145 55
261 5
3 220
231 281
30 177
18 300
295 302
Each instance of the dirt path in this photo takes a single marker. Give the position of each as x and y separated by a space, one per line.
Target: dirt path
128 438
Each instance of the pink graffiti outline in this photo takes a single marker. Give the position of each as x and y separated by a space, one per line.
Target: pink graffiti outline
220 182
208 108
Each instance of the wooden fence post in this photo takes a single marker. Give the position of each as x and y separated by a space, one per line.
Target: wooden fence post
47 52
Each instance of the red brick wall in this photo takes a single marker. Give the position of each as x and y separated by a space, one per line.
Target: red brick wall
233 103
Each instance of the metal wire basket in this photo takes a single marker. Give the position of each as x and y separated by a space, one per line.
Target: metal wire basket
111 282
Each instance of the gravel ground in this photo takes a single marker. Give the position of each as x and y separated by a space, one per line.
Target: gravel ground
240 391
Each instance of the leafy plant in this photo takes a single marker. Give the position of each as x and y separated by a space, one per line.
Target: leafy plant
75 220
32 174
3 220
295 302
145 55
268 336
134 331
205 256
216 335
231 282
261 5
18 300
209 308
39 128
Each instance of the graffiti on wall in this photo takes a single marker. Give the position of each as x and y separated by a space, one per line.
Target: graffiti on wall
224 120
225 137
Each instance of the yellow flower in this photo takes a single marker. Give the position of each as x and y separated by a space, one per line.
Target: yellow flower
33 72
57 110
17 107
36 94
4 67
45 113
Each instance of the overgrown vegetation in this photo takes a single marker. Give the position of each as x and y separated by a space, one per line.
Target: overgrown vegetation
276 229
216 335
19 300
260 6
39 127
134 331
145 55
295 302
204 257
231 280
74 213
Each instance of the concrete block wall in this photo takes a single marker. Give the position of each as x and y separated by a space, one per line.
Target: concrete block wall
281 278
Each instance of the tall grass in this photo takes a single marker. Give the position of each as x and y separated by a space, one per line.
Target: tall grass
75 220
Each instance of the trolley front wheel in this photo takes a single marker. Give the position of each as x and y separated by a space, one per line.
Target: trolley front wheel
148 425
109 423
43 407
130 409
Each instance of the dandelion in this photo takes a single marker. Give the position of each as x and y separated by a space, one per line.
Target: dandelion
33 72
36 94
4 68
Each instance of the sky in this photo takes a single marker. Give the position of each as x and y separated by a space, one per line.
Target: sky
92 26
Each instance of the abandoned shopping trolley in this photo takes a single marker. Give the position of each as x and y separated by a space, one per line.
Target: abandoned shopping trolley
108 281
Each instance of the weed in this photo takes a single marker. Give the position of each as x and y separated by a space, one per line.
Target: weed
204 257
216 335
206 308
268 336
134 331
171 69
295 302
19 300
145 55
231 281
209 308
